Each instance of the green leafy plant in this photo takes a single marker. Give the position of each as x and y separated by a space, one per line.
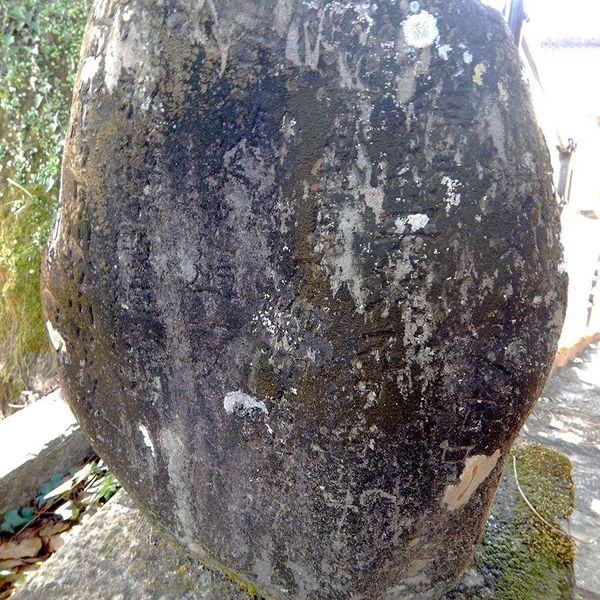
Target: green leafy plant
55 481
16 518
39 50
108 487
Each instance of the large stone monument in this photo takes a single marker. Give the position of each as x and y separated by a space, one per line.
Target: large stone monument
305 281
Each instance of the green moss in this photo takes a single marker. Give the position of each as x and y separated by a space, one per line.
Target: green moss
525 558
546 479
39 50
241 583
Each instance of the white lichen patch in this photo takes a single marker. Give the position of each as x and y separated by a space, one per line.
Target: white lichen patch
495 126
480 69
124 50
220 35
406 86
373 195
444 50
467 57
242 401
402 269
282 15
99 8
416 222
477 469
420 30
312 49
89 69
349 79
452 195
312 52
344 263
113 60
57 341
502 93
292 48
423 63
56 231
147 439
174 451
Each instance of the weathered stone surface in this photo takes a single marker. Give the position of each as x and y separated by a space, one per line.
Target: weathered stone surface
305 285
34 443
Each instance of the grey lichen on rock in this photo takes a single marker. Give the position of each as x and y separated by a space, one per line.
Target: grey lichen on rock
306 278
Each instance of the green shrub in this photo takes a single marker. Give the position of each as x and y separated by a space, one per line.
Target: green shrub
39 51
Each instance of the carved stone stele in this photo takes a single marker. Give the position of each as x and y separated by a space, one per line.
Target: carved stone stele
305 283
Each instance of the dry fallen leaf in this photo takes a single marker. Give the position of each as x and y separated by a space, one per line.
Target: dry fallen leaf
38 560
25 548
29 532
11 564
56 542
53 528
